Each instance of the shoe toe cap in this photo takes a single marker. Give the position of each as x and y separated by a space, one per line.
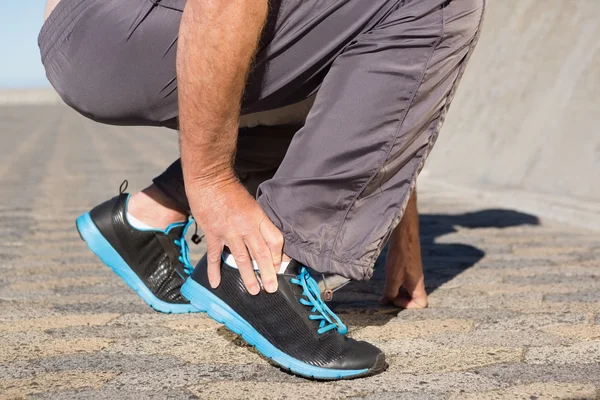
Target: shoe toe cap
361 355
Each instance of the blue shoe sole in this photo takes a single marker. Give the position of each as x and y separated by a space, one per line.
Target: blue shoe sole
218 310
109 256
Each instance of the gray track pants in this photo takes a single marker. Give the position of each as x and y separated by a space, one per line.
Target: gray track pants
383 72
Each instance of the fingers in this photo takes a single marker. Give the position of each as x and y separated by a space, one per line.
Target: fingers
409 303
413 294
274 240
244 264
394 278
404 300
407 294
391 290
214 248
231 217
239 250
261 253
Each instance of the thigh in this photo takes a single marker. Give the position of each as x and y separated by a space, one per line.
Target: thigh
300 41
115 60
347 176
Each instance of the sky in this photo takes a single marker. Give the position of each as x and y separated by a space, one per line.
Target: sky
20 23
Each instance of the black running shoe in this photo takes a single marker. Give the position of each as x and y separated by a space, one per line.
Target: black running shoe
154 263
292 327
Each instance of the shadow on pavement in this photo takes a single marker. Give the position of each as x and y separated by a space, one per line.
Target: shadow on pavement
358 302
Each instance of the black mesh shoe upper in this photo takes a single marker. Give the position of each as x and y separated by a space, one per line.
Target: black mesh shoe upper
283 318
153 255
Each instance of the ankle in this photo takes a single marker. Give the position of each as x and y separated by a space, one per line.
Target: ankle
154 208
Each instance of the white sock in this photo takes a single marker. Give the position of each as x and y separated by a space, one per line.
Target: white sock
137 224
229 260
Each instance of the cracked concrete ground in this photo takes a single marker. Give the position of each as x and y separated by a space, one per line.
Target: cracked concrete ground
514 313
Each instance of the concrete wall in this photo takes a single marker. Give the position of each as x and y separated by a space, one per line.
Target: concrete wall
527 113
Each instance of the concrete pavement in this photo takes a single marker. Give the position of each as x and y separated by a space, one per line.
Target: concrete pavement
514 313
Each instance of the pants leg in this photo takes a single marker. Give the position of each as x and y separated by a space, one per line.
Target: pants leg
349 172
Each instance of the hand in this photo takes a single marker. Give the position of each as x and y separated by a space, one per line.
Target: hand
404 282
229 216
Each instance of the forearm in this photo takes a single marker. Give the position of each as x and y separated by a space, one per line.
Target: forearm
405 245
217 41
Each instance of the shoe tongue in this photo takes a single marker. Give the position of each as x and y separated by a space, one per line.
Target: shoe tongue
293 268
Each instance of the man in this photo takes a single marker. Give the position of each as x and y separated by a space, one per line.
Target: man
331 106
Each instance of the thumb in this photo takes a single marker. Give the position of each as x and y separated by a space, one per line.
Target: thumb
410 303
391 290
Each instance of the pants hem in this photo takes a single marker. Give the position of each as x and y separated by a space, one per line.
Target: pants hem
326 263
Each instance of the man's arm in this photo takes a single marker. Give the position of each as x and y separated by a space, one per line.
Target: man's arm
217 41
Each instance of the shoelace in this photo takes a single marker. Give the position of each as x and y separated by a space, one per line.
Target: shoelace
310 290
184 250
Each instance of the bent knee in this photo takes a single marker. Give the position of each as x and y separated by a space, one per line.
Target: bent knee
107 74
